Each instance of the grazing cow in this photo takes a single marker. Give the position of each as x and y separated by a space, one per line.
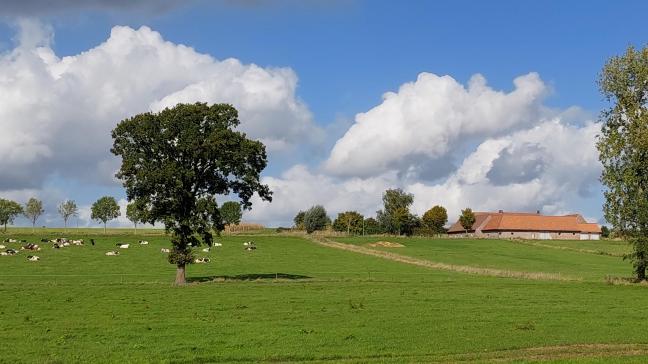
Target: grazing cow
33 258
217 244
143 242
122 245
165 250
250 248
206 250
112 253
92 241
201 260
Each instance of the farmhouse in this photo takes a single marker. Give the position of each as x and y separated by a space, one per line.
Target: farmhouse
528 226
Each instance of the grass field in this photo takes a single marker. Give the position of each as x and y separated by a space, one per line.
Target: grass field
295 301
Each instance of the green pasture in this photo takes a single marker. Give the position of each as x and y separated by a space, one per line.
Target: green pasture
295 301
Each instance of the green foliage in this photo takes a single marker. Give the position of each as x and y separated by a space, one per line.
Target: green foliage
435 219
177 161
467 219
371 226
105 209
8 212
605 231
395 217
315 218
623 150
33 210
349 221
67 209
136 213
299 220
231 213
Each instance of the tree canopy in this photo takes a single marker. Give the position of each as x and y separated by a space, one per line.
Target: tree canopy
435 219
299 220
33 210
395 216
105 209
467 219
231 213
350 221
67 209
8 212
175 162
315 218
136 214
623 151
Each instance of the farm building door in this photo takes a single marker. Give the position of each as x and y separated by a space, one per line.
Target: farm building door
545 236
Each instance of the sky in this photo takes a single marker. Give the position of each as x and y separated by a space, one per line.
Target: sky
462 103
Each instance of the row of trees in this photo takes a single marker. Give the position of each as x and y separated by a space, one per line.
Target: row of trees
103 210
394 218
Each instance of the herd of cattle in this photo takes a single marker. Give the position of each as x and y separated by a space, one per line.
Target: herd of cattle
60 243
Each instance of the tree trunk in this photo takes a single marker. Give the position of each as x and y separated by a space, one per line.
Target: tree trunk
33 227
181 279
104 228
65 223
135 228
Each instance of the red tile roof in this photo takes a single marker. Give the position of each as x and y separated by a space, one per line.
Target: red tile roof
518 221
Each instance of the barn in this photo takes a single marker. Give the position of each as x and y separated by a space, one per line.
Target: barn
528 226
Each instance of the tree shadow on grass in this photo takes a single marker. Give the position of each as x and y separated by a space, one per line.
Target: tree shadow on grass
247 277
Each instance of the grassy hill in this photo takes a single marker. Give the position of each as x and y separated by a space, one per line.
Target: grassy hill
293 300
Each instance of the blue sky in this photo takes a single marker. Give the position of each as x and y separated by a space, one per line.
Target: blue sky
347 54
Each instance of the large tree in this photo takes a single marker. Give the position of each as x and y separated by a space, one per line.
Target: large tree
231 213
8 212
349 221
299 220
395 216
315 218
67 209
33 210
104 210
435 219
136 214
467 219
175 162
623 149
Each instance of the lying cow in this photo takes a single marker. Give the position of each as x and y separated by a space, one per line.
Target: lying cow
143 242
206 250
217 244
30 247
11 252
122 245
165 250
201 260
2 246
249 243
77 242
250 248
10 240
33 258
112 253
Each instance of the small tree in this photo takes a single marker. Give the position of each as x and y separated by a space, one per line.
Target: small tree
315 219
178 161
435 219
395 217
605 232
33 210
104 210
67 209
467 219
231 213
299 220
349 221
136 214
8 212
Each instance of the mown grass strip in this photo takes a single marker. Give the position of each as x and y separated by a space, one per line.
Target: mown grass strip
559 247
444 266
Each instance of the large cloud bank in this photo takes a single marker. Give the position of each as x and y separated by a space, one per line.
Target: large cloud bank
57 113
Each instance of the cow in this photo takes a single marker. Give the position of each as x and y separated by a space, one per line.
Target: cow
217 244
33 258
112 253
249 243
250 248
122 245
11 251
10 240
56 246
92 242
2 246
206 250
165 250
201 260
77 242
30 247
143 242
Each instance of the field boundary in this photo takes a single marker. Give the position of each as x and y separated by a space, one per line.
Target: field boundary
492 272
